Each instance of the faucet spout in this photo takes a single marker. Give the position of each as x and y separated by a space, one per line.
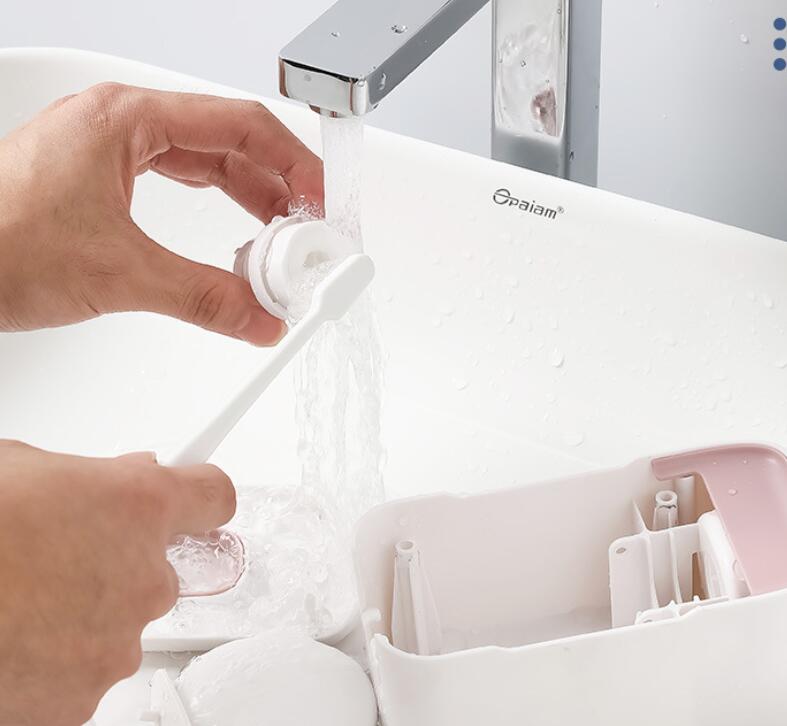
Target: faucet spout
545 72
358 51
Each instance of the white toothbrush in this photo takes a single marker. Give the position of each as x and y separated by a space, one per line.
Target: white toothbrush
223 551
332 298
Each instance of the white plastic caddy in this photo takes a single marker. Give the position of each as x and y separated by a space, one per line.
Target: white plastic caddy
557 604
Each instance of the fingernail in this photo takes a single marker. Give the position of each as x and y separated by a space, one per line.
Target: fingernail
262 329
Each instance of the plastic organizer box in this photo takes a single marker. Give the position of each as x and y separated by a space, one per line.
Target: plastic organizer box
649 594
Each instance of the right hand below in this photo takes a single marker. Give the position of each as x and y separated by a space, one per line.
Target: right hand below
83 569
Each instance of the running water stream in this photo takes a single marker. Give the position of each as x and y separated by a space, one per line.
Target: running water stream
338 381
299 572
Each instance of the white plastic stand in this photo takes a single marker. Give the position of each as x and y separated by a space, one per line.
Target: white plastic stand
415 626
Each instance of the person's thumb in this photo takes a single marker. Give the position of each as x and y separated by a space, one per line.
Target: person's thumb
200 294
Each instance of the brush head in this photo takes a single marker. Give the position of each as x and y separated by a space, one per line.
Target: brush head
334 296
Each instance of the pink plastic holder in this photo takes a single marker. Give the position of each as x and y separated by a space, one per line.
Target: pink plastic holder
748 487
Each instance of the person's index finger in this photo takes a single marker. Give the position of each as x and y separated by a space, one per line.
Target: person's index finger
203 499
210 123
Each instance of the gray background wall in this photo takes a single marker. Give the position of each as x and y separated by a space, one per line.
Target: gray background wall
237 42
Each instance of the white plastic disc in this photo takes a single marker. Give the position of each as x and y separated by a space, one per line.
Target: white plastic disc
283 679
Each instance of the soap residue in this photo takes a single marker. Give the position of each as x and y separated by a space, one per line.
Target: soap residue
297 538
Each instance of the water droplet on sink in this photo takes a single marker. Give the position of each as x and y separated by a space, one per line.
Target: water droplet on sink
510 316
383 81
782 364
336 34
460 383
479 293
556 359
576 438
744 39
447 309
767 300
512 282
399 28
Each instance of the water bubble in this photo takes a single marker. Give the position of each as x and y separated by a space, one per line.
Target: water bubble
460 383
336 34
557 358
744 39
399 28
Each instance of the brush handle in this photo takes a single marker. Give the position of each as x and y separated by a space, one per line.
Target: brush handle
199 448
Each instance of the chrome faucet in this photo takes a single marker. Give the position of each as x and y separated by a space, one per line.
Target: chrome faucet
546 59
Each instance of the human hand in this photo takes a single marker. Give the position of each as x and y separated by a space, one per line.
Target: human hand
83 569
69 249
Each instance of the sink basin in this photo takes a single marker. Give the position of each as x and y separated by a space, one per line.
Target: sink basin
534 328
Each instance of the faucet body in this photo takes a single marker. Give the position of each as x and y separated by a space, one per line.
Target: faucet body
546 57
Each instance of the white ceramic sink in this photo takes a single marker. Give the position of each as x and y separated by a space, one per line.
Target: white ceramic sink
519 346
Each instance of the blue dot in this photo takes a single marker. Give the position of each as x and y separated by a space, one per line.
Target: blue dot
780 43
780 23
780 64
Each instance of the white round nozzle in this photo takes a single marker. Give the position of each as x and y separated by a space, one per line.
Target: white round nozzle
277 261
